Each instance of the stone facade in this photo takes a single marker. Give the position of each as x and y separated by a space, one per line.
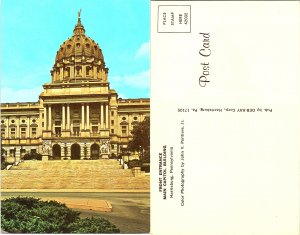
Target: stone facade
77 115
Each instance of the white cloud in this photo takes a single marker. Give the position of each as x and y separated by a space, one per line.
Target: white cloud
144 50
20 95
138 80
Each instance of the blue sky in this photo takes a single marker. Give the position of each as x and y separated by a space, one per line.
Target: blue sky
33 30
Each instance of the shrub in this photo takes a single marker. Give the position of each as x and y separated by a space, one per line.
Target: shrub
38 156
94 158
113 156
145 167
33 156
93 225
26 156
31 215
134 163
4 165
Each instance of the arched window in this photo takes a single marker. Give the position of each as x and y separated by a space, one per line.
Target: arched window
88 71
67 72
78 71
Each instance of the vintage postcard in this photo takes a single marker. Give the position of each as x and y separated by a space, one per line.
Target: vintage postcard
225 129
77 112
75 116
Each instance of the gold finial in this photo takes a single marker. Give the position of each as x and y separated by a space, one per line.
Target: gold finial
79 13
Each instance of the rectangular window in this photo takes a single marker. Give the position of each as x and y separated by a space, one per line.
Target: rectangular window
76 131
13 133
23 133
12 152
112 122
94 129
112 113
2 133
112 146
112 131
124 130
33 132
57 131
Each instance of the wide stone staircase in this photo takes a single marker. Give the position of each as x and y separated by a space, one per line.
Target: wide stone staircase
90 175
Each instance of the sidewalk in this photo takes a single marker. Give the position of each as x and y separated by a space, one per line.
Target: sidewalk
76 190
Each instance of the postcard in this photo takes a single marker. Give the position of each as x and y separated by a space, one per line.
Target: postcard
225 117
209 147
75 117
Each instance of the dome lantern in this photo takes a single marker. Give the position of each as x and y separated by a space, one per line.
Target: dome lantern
79 29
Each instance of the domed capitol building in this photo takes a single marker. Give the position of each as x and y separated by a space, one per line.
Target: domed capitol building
78 115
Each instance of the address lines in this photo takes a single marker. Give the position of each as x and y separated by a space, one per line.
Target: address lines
225 110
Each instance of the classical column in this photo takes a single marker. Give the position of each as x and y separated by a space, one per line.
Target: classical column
82 117
63 117
88 151
68 117
61 73
106 116
95 72
45 118
7 128
18 128
88 116
50 119
101 116
72 75
84 71
28 127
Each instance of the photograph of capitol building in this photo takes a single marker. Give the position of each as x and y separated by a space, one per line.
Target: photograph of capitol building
78 115
77 132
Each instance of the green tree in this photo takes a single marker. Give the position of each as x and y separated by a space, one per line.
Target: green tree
3 163
141 139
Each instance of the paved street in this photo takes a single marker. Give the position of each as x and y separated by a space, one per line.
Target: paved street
130 211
